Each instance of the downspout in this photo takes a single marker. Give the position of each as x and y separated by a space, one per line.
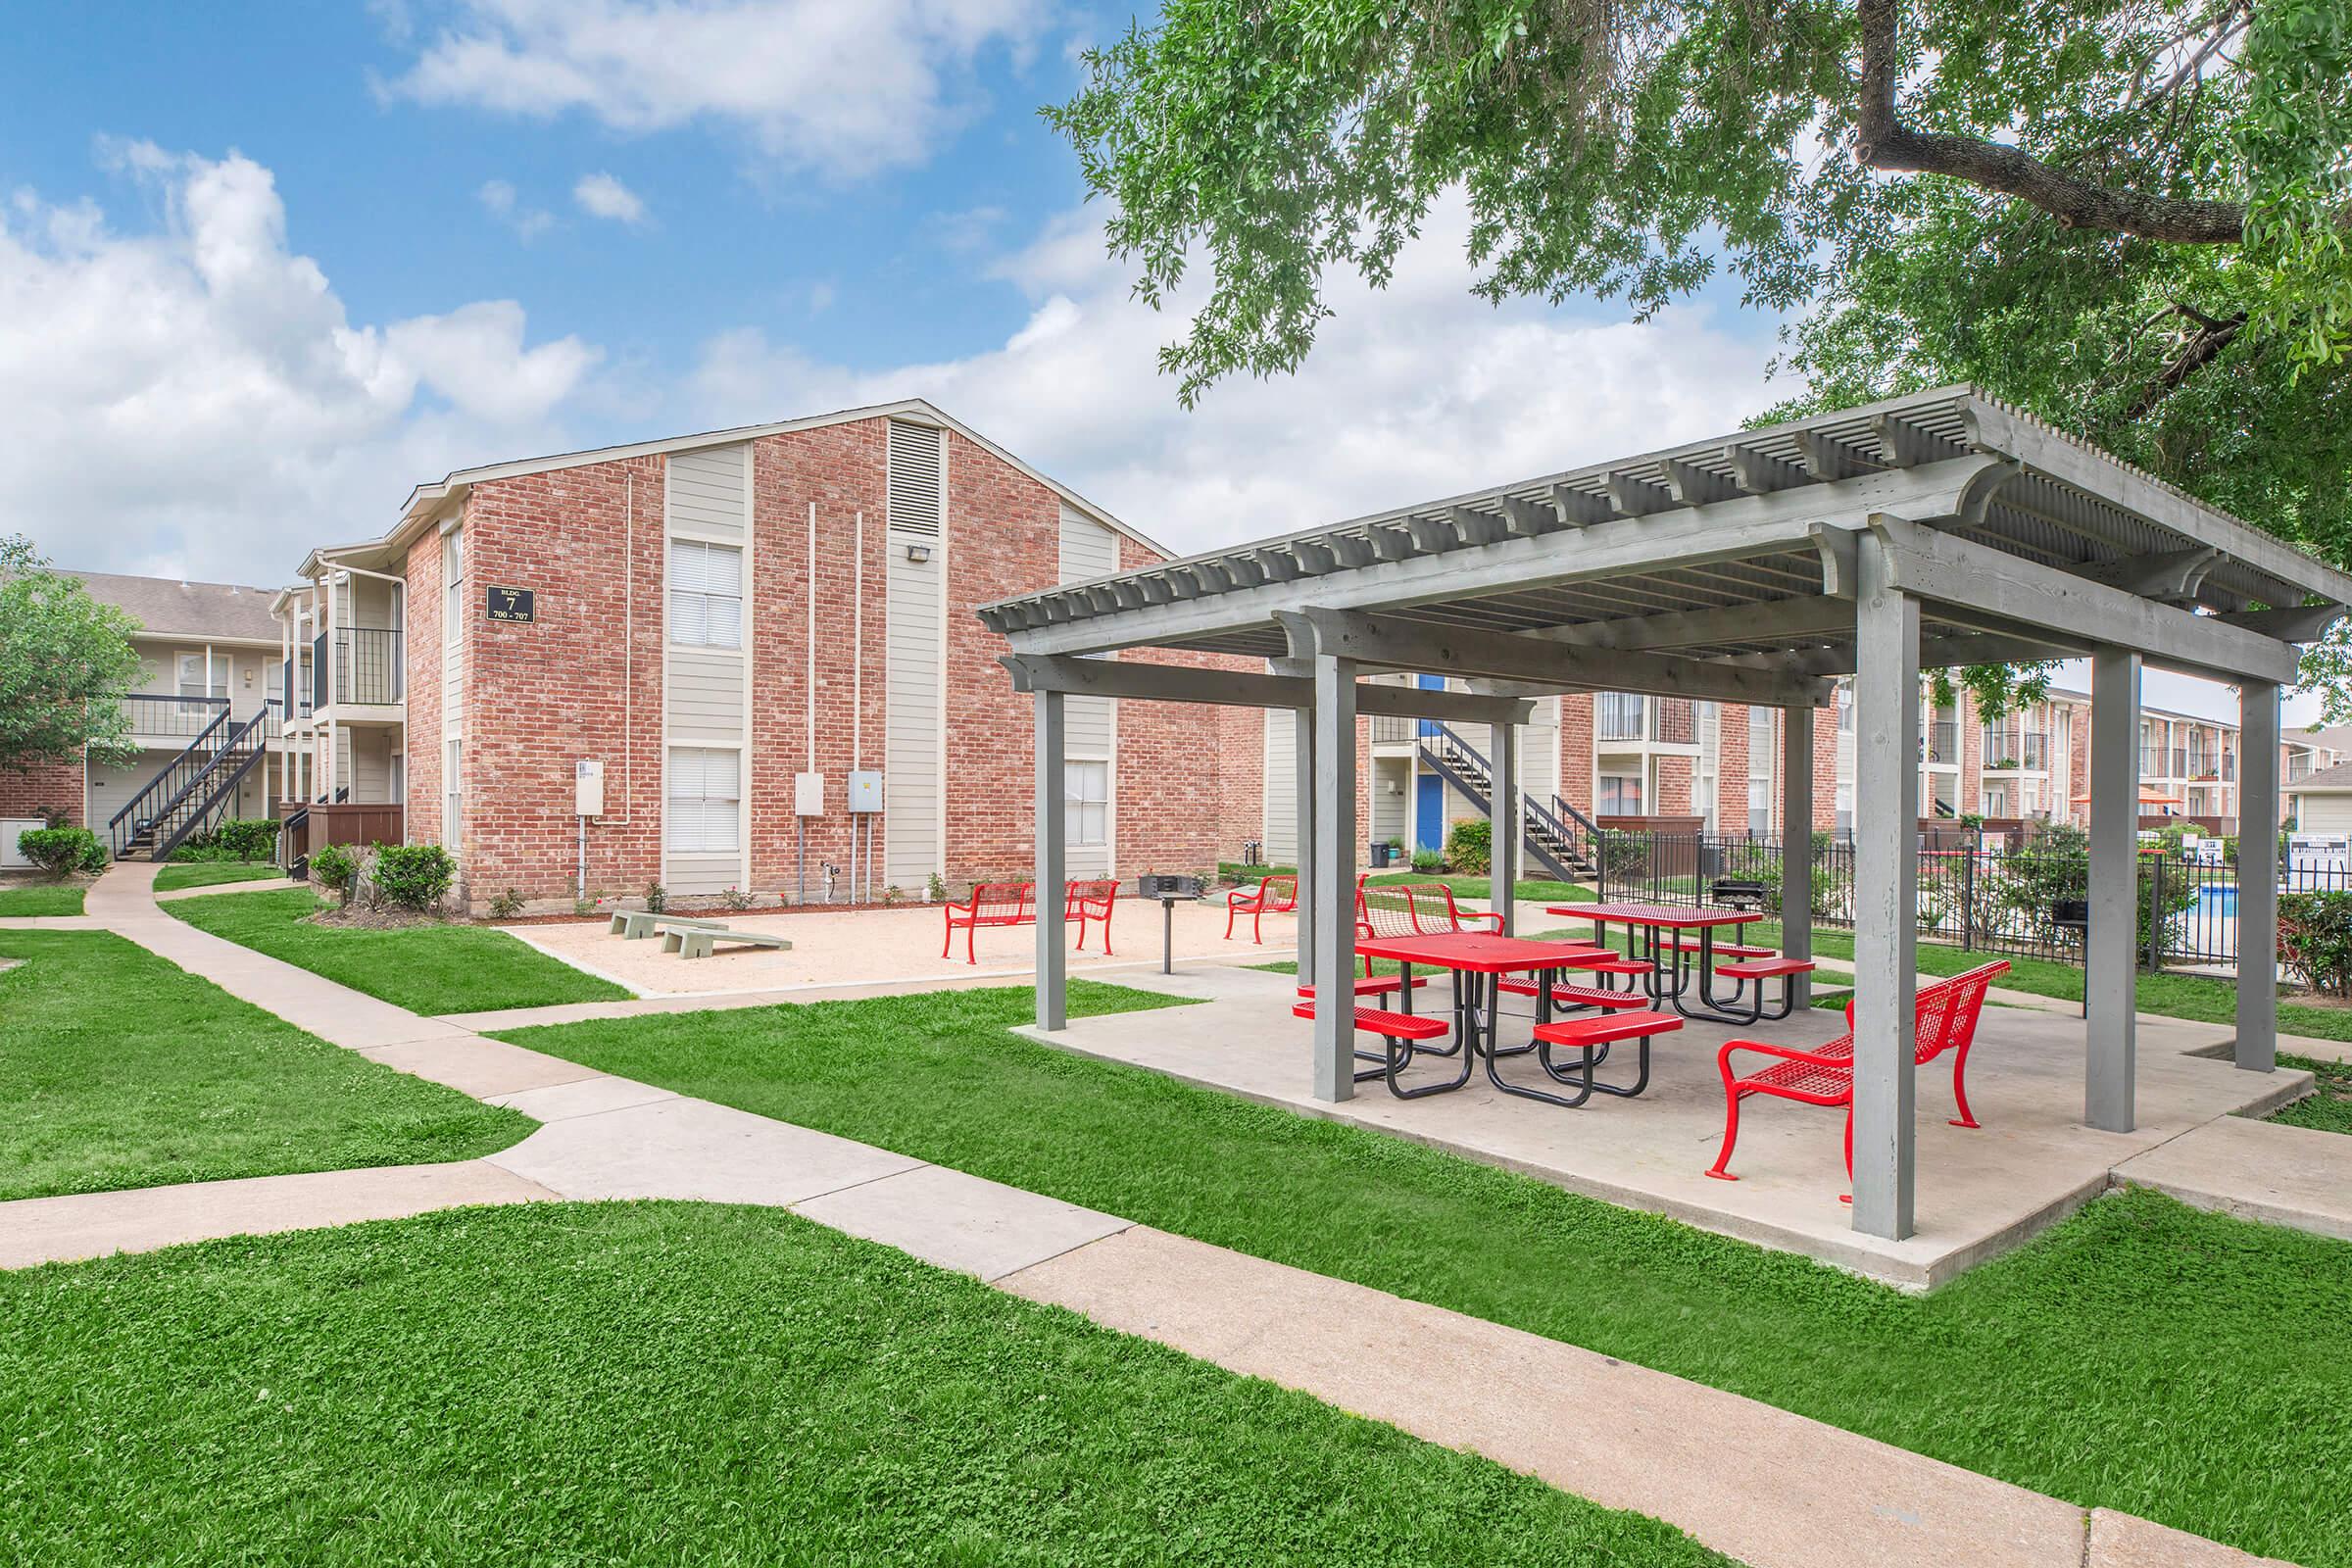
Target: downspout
857 819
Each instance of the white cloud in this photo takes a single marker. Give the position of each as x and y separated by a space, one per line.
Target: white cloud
1411 393
498 198
197 399
602 195
812 83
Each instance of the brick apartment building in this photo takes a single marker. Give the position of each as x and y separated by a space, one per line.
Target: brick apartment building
709 620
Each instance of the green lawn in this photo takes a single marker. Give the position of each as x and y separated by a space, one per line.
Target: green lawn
21 902
2329 1107
119 1070
665 1383
426 968
212 873
2143 1355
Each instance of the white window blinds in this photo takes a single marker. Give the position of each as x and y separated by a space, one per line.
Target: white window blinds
705 595
1086 802
705 796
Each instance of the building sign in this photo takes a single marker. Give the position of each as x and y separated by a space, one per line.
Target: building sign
512 604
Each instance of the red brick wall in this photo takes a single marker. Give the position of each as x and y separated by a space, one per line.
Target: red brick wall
1241 778
840 468
44 787
1576 749
539 696
1825 768
1675 777
1730 767
422 733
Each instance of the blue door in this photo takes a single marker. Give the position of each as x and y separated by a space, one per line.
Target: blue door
1429 825
1429 683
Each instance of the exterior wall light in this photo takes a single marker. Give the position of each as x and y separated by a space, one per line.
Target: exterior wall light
918 554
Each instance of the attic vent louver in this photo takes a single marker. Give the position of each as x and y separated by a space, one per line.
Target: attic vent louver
915 480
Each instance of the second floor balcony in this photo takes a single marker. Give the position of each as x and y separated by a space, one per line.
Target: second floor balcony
162 717
368 664
1621 717
1939 740
2028 750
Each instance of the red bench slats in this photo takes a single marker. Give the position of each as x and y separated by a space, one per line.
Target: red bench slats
1376 985
1763 968
1602 1031
1616 966
1735 949
1580 996
1394 1025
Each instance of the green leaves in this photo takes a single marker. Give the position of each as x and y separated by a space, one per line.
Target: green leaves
65 661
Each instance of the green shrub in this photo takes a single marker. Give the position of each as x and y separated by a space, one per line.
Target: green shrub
1428 860
506 906
1470 846
656 897
338 869
240 838
61 851
2315 939
413 876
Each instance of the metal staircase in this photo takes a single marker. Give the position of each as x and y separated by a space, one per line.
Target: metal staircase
1558 837
193 790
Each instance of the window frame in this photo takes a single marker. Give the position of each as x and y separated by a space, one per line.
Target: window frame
1075 804
702 596
703 800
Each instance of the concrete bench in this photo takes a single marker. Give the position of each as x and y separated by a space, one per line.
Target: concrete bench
631 925
698 941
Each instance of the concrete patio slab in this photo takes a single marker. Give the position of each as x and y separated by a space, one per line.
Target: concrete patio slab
56 1230
960 1222
1623 1435
591 1096
2125 1540
2259 1171
1980 1191
692 1149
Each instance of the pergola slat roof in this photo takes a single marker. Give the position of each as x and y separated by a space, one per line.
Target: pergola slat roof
1750 519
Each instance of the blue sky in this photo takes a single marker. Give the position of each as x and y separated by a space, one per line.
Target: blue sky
265 267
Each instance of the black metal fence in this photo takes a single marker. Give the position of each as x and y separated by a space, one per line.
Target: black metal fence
2002 900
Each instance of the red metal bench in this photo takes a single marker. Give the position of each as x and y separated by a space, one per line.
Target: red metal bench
999 903
1592 1039
1823 1075
1091 900
1397 1031
1273 895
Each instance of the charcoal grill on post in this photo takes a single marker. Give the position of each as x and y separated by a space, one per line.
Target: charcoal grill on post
1169 890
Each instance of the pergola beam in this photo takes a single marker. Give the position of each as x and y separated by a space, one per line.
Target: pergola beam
1808 616
1186 683
1390 642
1982 581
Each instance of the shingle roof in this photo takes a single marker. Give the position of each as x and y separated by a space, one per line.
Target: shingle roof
187 609
2339 777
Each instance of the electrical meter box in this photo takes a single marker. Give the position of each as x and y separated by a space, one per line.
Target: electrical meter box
588 787
807 794
865 790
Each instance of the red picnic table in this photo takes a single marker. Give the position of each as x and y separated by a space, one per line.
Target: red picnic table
1478 960
1659 930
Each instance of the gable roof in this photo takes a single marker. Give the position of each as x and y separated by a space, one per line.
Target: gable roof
426 500
170 606
2327 781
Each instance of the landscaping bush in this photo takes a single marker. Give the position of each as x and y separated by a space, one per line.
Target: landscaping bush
1470 846
240 838
1428 860
412 876
506 906
61 851
338 869
2315 939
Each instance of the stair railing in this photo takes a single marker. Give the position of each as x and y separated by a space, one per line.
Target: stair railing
214 783
1577 836
169 780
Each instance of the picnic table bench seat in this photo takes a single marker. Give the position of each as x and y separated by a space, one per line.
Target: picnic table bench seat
1591 1038
1741 949
1570 996
1823 1075
1764 968
1398 1032
1376 985
701 941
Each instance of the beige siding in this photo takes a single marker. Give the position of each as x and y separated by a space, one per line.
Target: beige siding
913 612
1090 550
707 493
1282 788
2324 813
705 696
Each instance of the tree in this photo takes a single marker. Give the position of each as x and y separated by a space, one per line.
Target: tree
65 661
2129 216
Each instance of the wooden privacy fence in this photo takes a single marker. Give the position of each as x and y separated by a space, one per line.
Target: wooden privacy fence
307 827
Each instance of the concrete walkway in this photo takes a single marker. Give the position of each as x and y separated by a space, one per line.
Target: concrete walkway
1620 1434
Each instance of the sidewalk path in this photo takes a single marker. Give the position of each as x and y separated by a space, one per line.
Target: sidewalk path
1619 1433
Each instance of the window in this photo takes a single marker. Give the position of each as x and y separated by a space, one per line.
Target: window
1620 716
195 676
1621 795
1086 804
706 799
453 586
453 798
705 595
1846 708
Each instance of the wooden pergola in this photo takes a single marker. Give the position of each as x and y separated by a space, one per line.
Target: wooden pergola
1927 532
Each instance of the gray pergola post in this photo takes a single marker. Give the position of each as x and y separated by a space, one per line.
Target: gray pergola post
2257 1047
1886 899
1504 864
1334 942
1053 855
2111 950
1796 844
1302 829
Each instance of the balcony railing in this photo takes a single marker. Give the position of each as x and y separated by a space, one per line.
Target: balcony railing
371 666
2025 749
1940 742
2152 759
2300 768
1665 720
1387 727
182 719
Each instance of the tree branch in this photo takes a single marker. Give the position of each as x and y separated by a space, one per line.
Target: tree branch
2211 337
1886 143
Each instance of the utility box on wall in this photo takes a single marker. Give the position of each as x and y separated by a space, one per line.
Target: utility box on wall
865 790
588 788
807 794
